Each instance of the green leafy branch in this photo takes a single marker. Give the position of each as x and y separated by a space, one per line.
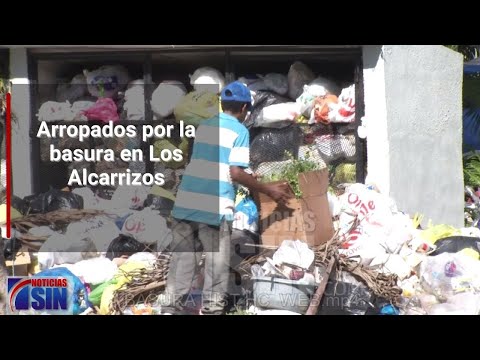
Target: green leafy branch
290 172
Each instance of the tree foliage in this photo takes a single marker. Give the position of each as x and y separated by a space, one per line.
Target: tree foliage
469 52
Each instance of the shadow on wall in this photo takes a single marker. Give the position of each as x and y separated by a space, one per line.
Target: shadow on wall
371 56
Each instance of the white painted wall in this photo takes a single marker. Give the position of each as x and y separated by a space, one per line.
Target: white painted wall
378 148
21 144
414 152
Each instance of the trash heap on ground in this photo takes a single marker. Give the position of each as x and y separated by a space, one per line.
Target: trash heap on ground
336 248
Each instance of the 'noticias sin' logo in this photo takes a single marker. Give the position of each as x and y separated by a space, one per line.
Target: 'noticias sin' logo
37 293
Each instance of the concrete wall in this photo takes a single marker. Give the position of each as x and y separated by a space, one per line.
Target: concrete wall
21 144
423 88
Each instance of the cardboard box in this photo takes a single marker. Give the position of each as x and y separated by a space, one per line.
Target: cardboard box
19 267
307 219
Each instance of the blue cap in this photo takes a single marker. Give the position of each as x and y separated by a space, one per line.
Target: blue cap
236 91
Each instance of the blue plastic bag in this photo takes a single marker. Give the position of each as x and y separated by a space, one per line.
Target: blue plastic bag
79 298
246 215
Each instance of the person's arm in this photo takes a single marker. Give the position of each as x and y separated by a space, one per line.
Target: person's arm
278 192
239 160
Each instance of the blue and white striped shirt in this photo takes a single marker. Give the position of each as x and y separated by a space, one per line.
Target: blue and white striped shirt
206 193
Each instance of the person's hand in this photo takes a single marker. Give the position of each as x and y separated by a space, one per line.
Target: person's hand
280 193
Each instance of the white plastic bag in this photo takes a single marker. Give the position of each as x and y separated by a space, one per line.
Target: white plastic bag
277 115
135 100
298 76
344 111
95 271
90 201
148 227
129 197
328 85
276 82
166 97
447 274
460 304
107 80
59 249
294 253
306 99
333 147
100 231
54 111
203 78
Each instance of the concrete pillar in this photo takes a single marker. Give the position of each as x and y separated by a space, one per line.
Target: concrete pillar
415 128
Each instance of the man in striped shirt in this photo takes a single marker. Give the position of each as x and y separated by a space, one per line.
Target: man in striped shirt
204 206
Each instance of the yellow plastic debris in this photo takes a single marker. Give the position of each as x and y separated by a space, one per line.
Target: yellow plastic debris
122 278
437 232
471 253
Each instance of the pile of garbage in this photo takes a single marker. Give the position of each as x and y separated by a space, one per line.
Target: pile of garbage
382 262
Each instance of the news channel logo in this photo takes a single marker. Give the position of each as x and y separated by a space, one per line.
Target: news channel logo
39 295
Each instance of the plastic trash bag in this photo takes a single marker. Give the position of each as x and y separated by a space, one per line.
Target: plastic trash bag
336 147
52 200
294 253
51 111
345 295
460 304
90 201
306 99
197 106
447 274
11 247
277 83
246 216
298 75
107 81
129 197
277 115
99 231
254 83
60 249
104 110
135 100
271 144
72 91
78 108
328 85
124 245
79 293
261 100
344 111
94 271
166 97
437 232
148 227
322 107
203 78
454 244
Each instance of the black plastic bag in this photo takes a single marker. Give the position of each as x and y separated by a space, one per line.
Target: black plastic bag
125 245
346 296
455 244
19 204
163 205
52 200
10 248
271 144
263 99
